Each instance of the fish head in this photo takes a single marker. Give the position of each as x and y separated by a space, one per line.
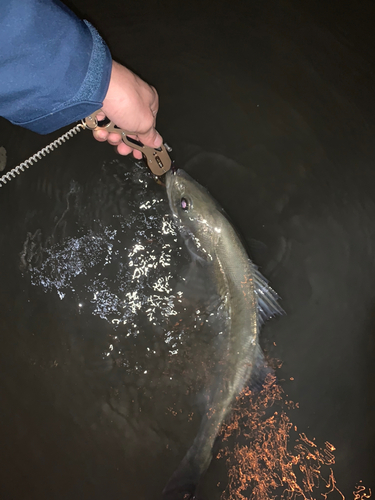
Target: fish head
197 214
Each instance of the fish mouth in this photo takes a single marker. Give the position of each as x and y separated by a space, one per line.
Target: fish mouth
171 179
169 182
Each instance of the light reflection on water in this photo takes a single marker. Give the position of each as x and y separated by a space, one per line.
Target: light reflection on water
120 270
117 267
142 278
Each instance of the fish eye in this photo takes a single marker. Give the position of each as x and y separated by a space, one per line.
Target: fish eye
184 204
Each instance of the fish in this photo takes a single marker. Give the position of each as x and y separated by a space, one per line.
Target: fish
248 301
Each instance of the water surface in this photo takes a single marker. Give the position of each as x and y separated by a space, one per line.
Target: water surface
268 105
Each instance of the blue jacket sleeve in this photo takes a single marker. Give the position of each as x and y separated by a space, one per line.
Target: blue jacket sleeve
54 67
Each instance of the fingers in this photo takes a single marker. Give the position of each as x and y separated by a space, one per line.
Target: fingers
132 105
103 135
137 154
152 139
124 149
115 140
100 135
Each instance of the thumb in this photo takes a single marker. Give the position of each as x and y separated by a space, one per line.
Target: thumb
151 138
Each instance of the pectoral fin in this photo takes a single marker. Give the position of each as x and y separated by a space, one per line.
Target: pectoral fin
268 305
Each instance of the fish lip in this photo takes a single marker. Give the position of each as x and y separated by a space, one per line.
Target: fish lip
168 181
174 171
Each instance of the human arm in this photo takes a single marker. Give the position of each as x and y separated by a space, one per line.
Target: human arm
55 69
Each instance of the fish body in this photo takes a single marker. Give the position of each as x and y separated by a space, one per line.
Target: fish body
247 300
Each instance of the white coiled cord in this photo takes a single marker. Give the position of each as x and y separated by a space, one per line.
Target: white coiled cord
39 155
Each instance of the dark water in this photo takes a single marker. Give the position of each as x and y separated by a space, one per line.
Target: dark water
270 106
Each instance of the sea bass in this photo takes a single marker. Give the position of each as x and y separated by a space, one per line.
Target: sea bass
247 300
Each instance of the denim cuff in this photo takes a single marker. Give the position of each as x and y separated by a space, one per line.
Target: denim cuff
89 97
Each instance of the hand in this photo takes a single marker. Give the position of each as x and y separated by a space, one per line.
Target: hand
132 105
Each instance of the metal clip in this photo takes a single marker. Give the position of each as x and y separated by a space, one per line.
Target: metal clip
158 159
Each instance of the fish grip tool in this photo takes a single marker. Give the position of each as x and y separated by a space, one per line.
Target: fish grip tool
158 159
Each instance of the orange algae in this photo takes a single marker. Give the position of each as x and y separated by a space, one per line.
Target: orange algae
269 459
